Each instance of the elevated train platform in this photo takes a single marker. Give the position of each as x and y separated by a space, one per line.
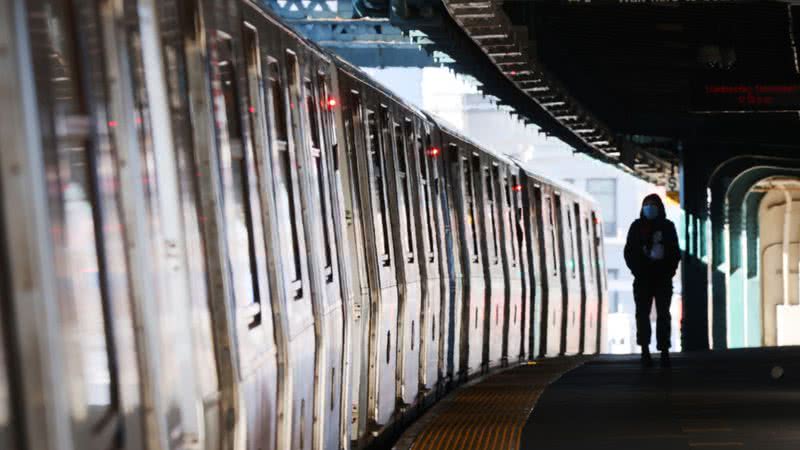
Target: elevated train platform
744 399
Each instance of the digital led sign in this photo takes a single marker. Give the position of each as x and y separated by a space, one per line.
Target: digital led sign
713 97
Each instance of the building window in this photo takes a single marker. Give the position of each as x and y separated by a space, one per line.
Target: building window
613 305
604 190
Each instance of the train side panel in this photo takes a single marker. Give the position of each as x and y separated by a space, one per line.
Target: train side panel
495 274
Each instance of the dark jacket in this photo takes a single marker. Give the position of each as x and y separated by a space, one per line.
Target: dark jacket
640 240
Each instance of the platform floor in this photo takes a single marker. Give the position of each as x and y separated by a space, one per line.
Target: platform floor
743 399
727 399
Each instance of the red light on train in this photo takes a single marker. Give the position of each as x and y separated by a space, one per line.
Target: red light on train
434 151
596 220
252 109
517 188
331 103
513 73
112 123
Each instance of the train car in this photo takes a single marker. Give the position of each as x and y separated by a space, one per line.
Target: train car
562 244
491 274
217 235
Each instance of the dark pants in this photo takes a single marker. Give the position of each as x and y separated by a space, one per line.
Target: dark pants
644 291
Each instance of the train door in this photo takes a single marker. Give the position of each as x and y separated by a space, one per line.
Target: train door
334 134
100 345
245 239
537 273
495 280
405 243
512 277
551 281
31 358
355 225
424 177
474 314
569 276
582 262
383 284
261 342
194 217
288 155
440 209
521 316
340 330
600 276
322 259
588 268
561 300
458 246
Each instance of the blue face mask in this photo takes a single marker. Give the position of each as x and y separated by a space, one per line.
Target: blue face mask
650 212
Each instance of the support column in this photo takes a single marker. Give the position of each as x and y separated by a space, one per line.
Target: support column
754 336
736 285
694 266
718 316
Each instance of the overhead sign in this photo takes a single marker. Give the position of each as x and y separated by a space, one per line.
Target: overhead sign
727 97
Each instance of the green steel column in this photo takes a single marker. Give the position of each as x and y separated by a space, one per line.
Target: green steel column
736 279
694 266
754 337
718 268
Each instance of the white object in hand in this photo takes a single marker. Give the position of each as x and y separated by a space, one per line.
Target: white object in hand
657 252
657 249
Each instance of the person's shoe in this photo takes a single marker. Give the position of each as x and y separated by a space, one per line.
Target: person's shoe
647 360
665 361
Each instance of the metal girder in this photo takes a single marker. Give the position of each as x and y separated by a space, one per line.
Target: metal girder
487 24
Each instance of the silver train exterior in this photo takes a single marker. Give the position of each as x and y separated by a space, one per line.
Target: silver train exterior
216 235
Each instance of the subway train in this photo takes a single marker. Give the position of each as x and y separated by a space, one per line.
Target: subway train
217 235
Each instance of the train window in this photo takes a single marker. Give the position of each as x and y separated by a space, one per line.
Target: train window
322 180
511 222
412 335
434 170
590 248
313 121
553 242
287 177
245 233
571 228
425 192
489 186
404 178
328 120
388 346
378 187
278 116
469 200
597 241
333 387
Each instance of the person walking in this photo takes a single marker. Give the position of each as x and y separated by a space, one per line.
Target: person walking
652 254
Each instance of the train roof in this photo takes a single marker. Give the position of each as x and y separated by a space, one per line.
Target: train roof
562 186
523 167
364 77
444 126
